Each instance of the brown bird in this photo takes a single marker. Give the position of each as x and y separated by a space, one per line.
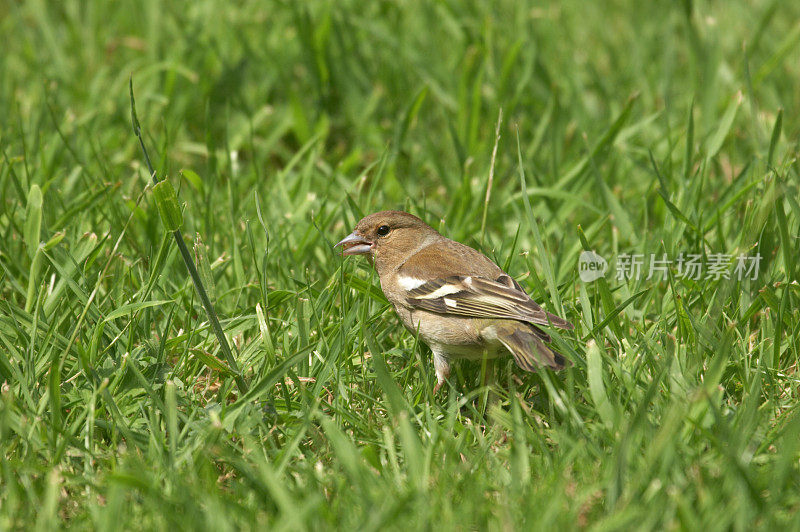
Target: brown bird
462 303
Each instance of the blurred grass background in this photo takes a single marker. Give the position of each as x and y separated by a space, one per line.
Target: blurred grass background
654 127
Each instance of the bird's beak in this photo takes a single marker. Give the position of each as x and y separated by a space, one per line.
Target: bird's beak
354 244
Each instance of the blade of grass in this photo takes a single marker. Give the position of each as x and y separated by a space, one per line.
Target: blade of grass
187 259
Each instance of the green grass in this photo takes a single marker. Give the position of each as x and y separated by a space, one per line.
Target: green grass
628 127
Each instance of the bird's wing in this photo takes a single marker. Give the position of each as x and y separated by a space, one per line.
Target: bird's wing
481 297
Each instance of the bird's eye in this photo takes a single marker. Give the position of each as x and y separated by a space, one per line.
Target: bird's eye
383 230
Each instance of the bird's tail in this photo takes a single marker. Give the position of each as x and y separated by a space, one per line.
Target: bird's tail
527 344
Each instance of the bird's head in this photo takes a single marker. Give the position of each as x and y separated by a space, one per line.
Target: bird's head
387 236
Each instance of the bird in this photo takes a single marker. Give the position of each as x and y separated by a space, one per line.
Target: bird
459 302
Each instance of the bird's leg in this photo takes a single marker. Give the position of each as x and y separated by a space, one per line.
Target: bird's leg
442 366
488 381
487 372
